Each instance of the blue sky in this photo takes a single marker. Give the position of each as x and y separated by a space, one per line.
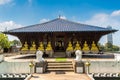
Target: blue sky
19 13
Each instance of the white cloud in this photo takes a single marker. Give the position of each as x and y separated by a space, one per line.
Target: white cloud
44 20
2 2
99 20
115 13
104 20
9 25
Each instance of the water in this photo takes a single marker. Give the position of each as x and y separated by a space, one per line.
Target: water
107 78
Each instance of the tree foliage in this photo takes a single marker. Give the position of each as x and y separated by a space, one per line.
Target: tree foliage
108 47
115 48
4 42
101 47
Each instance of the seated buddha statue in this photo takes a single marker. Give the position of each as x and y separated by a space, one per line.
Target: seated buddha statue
41 48
25 47
69 49
86 48
33 47
77 46
49 47
94 48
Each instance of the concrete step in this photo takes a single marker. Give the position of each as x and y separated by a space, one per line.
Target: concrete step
69 69
59 63
60 66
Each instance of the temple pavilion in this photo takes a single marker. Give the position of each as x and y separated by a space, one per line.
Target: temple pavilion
60 35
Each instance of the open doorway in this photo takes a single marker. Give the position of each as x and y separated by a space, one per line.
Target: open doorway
59 44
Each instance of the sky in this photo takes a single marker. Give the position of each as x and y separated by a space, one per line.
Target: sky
20 13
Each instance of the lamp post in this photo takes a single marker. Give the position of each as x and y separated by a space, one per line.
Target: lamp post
87 64
31 65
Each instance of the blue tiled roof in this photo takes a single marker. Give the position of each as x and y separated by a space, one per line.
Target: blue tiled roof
60 25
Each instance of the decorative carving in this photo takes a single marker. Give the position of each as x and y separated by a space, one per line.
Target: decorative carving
39 55
78 54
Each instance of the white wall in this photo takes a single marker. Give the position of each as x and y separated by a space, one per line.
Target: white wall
104 67
14 67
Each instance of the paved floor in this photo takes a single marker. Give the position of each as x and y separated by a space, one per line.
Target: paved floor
54 76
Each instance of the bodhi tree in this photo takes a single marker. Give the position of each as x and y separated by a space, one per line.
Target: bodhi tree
4 42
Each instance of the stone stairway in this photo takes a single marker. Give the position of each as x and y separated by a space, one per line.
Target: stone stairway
60 66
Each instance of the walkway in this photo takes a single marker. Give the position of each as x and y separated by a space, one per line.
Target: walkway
54 76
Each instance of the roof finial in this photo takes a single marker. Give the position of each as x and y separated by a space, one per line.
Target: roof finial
59 16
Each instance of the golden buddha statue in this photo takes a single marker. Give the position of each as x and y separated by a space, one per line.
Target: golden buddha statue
77 46
70 47
86 47
25 47
41 46
49 47
33 47
94 48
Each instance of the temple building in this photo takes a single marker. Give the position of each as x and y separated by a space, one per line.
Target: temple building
60 35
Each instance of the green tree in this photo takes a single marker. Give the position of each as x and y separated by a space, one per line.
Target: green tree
101 47
108 47
115 48
4 42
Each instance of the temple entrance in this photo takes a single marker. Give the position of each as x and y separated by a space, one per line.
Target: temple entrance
59 44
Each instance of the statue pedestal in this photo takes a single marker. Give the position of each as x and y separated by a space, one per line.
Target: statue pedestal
86 52
68 53
95 52
24 51
49 53
32 51
40 67
79 67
